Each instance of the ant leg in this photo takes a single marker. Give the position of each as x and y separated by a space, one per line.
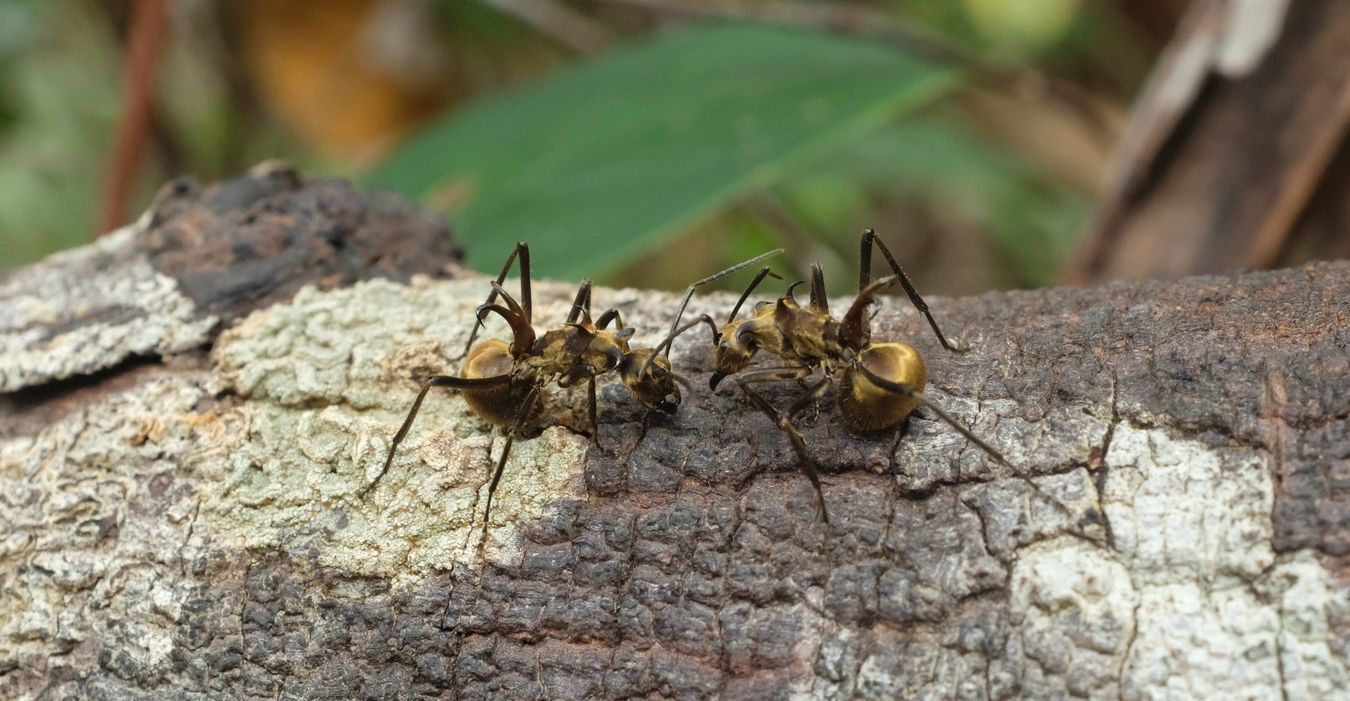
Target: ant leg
525 408
804 461
689 292
869 238
433 381
778 374
813 395
591 406
522 250
582 303
904 389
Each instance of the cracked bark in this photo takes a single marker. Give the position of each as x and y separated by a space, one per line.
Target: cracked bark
181 518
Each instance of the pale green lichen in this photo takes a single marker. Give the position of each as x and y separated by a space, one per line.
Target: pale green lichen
87 556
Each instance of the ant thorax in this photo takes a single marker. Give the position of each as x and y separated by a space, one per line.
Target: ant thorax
809 337
556 354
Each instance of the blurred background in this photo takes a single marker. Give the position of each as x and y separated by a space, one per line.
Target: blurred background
649 142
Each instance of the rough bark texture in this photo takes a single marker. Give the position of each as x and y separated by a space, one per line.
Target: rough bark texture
188 525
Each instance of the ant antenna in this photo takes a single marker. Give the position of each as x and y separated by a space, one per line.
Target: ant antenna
664 345
689 293
764 272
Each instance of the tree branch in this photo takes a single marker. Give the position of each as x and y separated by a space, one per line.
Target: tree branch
189 523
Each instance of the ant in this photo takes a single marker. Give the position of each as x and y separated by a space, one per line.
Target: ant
881 383
502 381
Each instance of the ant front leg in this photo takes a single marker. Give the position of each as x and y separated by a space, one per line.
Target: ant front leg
784 422
521 251
588 373
869 238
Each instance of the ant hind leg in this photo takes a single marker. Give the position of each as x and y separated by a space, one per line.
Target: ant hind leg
526 407
433 381
869 238
900 388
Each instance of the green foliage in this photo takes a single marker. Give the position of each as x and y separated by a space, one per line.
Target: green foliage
608 158
58 78
1032 223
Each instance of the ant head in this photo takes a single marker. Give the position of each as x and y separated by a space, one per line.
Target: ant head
736 347
740 339
648 376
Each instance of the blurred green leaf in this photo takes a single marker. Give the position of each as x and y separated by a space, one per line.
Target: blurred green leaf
608 158
64 98
1032 221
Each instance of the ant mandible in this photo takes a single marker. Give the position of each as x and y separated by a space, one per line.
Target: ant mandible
881 383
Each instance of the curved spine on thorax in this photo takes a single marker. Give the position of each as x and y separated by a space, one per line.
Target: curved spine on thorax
809 336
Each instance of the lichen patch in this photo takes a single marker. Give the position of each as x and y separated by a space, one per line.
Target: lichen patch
1181 509
329 378
90 309
1192 601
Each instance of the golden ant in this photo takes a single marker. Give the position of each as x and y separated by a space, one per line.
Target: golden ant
881 383
502 381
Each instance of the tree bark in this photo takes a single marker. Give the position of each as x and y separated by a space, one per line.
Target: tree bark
1236 153
182 460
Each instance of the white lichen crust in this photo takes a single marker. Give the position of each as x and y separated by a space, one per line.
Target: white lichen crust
1191 602
1188 603
90 309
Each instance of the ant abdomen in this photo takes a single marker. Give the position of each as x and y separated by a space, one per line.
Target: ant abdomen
497 404
867 407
